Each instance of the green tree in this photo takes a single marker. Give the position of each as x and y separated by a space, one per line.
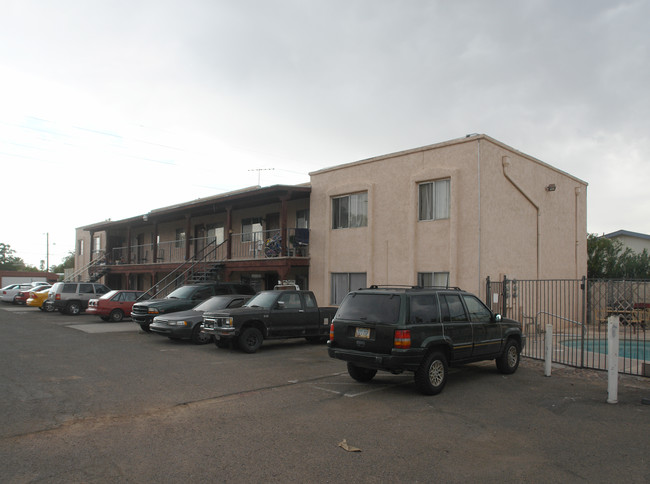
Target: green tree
607 259
8 261
66 263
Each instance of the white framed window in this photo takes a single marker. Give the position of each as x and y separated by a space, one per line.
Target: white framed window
80 247
344 282
434 200
429 279
251 229
180 238
215 233
350 211
97 244
302 219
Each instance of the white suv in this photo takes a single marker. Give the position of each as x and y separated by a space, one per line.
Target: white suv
73 297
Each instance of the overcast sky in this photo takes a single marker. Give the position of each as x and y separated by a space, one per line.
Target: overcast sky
111 108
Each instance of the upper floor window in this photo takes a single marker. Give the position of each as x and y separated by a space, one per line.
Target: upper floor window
434 200
302 219
350 211
251 229
97 244
80 247
180 238
215 233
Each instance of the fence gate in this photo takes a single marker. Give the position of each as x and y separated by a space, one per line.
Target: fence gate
578 311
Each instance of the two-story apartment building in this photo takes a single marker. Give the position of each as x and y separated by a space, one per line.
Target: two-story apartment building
256 235
451 213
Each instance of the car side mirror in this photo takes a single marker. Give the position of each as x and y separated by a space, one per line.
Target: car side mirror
280 305
497 317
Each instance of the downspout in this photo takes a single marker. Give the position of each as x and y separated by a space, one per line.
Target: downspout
577 192
506 166
478 175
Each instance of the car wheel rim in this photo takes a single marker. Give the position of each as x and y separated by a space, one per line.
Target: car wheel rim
512 356
436 373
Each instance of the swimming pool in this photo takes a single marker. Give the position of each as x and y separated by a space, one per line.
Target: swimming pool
636 350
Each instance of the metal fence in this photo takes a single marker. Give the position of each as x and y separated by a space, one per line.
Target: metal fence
578 312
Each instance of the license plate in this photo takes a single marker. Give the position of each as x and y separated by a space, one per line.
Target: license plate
362 333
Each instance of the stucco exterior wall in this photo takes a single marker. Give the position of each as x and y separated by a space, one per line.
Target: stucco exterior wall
502 218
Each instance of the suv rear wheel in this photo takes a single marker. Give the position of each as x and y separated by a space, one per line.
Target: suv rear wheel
361 374
73 308
431 377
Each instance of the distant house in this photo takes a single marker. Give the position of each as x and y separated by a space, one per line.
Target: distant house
633 240
452 213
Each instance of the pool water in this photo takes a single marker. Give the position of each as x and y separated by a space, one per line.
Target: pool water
636 350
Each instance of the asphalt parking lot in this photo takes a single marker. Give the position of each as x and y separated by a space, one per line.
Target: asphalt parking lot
89 401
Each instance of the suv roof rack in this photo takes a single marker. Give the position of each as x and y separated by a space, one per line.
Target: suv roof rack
406 286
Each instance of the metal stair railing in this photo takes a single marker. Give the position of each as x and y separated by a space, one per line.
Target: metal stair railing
158 288
94 262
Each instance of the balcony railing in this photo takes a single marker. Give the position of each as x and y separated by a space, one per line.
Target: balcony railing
246 246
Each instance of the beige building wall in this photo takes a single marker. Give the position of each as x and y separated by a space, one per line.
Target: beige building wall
503 219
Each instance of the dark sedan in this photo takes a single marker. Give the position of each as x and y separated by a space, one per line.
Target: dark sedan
187 324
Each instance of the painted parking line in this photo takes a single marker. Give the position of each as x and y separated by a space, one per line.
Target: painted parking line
353 389
19 309
98 328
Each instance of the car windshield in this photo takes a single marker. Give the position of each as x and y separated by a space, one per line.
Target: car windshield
108 295
212 304
262 300
373 308
184 292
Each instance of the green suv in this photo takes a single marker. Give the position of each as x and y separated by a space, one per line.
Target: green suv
420 329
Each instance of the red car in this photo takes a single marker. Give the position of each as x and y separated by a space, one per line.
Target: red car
22 296
114 305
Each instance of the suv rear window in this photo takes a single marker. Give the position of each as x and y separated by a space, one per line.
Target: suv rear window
424 309
69 288
374 308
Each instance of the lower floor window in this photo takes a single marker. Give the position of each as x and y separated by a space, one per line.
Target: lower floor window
344 282
429 279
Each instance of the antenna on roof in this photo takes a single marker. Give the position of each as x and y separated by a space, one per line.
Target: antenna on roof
258 170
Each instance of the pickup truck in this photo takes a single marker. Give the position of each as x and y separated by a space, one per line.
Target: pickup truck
182 299
270 315
423 330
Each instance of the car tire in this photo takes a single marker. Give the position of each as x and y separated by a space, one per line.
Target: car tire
73 308
145 327
116 315
199 338
508 362
250 340
359 374
431 376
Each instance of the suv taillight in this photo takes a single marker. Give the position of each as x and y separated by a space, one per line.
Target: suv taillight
402 339
57 297
332 332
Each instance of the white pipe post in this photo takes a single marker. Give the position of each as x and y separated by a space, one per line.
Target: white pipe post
612 359
548 350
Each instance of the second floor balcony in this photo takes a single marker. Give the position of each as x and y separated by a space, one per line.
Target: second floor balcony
239 247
